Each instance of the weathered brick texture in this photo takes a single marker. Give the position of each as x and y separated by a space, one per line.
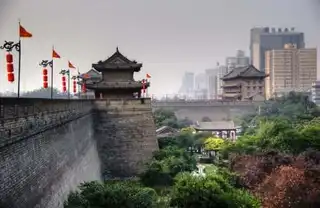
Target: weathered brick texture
125 134
48 147
49 151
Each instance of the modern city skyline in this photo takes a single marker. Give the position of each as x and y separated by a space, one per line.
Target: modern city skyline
263 39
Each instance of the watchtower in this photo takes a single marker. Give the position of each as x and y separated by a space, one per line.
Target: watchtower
123 125
117 78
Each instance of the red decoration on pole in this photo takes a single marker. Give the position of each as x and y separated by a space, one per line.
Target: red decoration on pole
10 69
45 78
144 86
84 89
74 86
9 58
64 85
11 77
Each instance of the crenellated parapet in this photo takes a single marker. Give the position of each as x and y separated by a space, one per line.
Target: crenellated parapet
24 117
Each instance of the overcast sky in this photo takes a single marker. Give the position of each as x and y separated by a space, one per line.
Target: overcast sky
168 36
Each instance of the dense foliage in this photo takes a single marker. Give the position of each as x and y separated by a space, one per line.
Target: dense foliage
166 164
211 191
278 157
164 117
112 194
275 163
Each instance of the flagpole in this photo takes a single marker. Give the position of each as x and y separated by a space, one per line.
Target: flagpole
51 94
78 80
19 64
69 84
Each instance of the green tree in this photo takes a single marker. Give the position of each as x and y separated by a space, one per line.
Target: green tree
112 194
213 143
166 164
210 191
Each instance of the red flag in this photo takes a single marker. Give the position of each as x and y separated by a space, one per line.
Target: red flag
148 76
71 65
55 54
24 33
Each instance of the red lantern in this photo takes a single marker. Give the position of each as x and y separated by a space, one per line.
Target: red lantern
45 72
10 67
63 79
11 77
64 89
64 84
45 78
9 58
84 90
45 85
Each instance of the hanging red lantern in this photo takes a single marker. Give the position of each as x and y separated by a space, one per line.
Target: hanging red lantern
45 78
9 58
74 86
10 67
64 84
64 89
11 77
63 79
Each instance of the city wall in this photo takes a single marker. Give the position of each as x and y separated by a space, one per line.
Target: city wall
48 147
215 110
131 135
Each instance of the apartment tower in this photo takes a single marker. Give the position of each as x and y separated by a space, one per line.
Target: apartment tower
290 69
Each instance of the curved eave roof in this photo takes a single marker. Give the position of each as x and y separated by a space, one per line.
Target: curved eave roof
108 67
116 85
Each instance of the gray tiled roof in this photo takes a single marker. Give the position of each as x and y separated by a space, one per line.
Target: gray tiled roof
247 71
219 125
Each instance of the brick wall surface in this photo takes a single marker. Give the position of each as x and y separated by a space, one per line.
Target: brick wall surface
39 165
48 147
125 134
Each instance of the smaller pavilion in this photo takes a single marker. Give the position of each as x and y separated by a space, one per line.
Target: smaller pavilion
116 80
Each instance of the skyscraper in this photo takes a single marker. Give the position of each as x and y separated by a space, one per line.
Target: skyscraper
187 87
265 39
240 60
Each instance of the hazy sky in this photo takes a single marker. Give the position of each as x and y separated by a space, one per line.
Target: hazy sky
168 36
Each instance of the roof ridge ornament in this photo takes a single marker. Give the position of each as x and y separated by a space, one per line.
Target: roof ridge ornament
117 49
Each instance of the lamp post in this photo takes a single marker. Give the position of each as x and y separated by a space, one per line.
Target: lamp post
9 46
46 63
65 72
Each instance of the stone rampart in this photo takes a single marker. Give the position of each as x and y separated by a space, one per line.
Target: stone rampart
125 132
46 150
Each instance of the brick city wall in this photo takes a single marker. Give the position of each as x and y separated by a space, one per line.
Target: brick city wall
125 134
48 147
46 150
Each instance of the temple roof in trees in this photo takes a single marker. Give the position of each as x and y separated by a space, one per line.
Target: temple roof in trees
117 85
117 62
244 72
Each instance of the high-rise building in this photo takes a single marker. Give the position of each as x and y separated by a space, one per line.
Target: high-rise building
187 87
240 60
211 75
265 39
290 69
315 92
214 82
200 86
